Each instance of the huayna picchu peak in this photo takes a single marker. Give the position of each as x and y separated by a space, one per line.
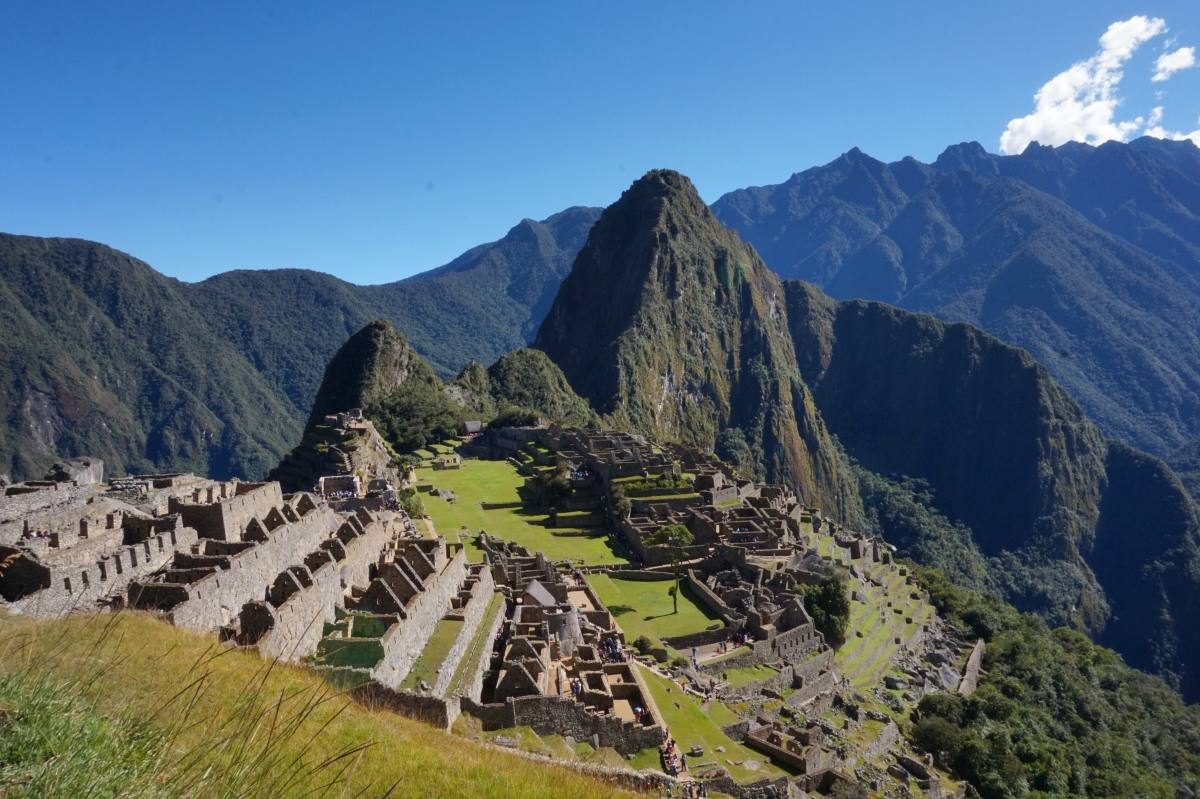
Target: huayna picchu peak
669 324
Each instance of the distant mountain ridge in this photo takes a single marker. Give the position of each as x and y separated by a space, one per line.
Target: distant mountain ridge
105 356
1088 257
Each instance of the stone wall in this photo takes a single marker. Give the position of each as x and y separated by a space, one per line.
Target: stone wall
646 575
432 710
888 737
296 626
473 615
473 688
713 602
557 715
108 577
227 518
816 692
684 642
212 601
404 641
39 508
970 680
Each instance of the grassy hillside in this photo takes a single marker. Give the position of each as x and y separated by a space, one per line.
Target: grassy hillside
125 705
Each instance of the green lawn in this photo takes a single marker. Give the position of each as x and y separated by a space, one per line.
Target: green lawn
427 664
744 675
497 481
644 608
479 640
691 724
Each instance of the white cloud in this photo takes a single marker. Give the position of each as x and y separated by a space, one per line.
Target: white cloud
1170 63
1155 128
1080 104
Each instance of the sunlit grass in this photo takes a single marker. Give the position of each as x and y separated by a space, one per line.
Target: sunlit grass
160 712
644 607
497 482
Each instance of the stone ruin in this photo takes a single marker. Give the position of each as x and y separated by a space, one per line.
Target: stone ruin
560 662
341 444
76 545
801 746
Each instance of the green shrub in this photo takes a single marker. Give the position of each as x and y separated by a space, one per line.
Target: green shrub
828 602
644 643
1055 714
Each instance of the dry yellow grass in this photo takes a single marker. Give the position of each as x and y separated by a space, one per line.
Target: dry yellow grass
236 725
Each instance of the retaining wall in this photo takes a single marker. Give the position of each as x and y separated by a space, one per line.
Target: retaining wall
403 642
472 613
212 601
557 715
298 623
474 687
108 577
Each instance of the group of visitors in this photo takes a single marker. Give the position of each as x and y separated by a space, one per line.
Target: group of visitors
674 761
738 639
611 650
343 494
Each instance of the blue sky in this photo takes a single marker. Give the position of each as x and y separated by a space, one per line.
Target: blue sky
373 141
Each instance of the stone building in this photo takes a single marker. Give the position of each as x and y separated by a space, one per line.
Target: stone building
560 664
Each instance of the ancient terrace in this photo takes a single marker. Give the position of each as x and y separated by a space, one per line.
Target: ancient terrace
483 629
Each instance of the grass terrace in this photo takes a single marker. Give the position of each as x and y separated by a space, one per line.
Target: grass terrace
693 724
427 664
497 482
744 675
475 649
870 646
644 607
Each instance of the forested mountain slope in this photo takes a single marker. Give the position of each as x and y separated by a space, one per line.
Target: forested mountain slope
1088 257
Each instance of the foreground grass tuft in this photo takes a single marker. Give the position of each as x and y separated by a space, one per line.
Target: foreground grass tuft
126 705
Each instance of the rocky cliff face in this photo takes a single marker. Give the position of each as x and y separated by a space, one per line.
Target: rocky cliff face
669 324
1084 531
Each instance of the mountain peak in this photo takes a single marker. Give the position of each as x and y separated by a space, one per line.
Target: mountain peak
659 321
968 155
658 188
371 364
